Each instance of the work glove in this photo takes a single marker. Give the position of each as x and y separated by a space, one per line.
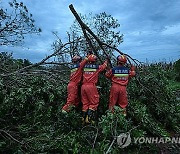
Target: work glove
91 57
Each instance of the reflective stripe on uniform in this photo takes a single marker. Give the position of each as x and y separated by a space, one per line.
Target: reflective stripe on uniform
90 69
122 75
75 69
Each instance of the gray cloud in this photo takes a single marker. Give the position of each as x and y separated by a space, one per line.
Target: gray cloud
151 28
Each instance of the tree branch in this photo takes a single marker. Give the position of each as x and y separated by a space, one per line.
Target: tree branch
101 44
3 131
36 64
84 27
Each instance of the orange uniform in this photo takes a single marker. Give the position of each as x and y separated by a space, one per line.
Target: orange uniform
72 88
89 92
119 76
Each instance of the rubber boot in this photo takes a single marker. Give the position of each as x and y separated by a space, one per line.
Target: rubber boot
91 117
84 115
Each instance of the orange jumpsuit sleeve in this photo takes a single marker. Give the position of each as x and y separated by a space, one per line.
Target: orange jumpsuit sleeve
83 63
103 66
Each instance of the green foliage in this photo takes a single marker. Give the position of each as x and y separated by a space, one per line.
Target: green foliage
103 25
157 96
177 69
7 63
32 122
15 23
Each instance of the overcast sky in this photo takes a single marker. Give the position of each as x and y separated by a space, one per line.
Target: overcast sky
151 28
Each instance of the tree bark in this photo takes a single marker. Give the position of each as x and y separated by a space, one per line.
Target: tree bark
101 44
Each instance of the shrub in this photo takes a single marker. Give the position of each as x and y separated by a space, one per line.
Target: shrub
32 122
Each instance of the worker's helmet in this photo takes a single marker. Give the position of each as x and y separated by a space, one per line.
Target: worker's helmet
76 58
92 58
121 59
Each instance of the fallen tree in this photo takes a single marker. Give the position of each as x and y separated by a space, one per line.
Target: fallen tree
32 97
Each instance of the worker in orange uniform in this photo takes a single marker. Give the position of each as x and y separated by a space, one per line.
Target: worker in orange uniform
89 92
119 76
75 78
